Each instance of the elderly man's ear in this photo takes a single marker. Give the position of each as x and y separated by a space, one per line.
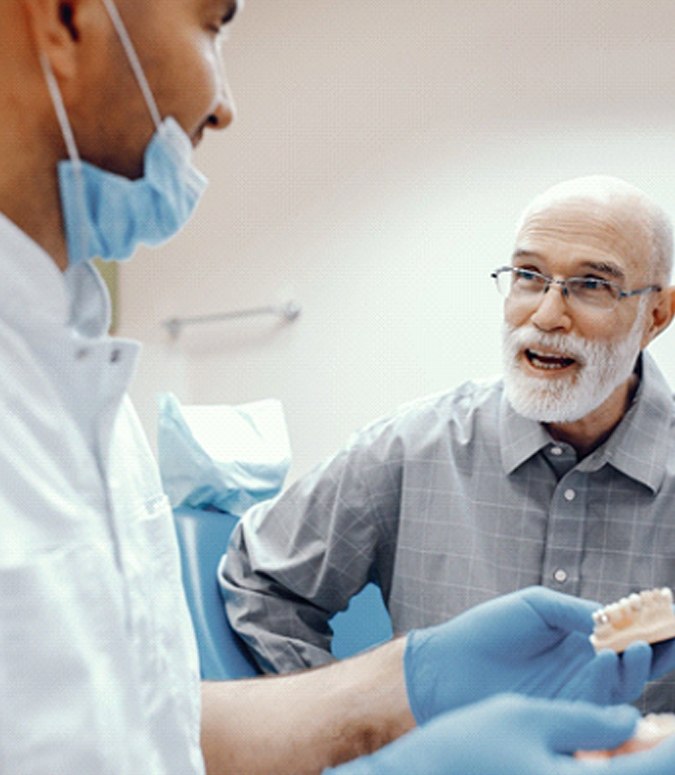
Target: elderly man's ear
660 315
57 27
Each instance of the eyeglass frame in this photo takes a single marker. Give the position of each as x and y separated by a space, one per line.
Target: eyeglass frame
564 289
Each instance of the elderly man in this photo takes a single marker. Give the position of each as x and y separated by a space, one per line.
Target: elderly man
102 101
561 474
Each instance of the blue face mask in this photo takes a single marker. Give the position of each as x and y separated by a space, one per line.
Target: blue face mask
107 215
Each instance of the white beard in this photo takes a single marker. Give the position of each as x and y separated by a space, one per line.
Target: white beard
602 368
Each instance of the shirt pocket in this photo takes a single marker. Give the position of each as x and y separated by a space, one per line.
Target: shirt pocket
62 654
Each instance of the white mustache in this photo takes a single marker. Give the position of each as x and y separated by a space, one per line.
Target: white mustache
561 345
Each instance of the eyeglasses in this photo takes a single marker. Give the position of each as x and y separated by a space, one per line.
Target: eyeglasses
526 285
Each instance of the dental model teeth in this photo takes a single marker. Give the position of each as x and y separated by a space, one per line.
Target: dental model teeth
647 616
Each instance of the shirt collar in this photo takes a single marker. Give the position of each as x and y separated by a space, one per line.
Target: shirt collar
638 446
519 437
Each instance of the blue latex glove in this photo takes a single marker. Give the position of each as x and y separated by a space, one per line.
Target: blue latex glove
533 642
512 735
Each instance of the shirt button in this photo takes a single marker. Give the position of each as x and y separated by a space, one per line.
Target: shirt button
560 575
570 495
557 451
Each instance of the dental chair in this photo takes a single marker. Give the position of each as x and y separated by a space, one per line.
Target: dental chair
202 537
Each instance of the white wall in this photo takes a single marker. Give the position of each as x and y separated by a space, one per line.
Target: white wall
381 155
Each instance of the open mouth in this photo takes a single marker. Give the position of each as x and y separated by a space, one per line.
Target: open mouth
548 361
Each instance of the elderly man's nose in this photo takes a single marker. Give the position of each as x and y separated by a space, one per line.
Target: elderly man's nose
552 311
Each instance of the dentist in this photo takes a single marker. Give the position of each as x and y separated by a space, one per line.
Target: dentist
102 102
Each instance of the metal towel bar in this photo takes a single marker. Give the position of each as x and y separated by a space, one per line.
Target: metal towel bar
289 311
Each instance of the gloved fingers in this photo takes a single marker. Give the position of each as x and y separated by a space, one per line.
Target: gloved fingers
610 679
581 726
636 668
562 612
598 681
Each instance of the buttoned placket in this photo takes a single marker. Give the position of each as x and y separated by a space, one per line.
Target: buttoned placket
563 550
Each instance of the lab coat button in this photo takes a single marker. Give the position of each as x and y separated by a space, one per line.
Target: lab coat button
115 356
81 354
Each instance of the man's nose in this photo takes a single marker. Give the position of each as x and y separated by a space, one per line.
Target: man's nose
223 112
552 311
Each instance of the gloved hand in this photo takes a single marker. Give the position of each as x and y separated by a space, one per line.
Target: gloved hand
533 642
512 735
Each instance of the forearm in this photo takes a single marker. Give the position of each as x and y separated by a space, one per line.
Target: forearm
301 723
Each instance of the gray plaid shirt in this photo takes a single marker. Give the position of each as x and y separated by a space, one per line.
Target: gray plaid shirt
450 501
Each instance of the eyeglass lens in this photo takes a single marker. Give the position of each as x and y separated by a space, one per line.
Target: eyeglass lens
522 285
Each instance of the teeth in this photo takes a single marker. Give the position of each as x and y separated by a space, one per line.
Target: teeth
644 616
549 366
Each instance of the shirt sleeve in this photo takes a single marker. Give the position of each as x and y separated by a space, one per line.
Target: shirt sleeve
296 561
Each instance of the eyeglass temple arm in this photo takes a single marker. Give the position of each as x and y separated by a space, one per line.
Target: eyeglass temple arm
640 291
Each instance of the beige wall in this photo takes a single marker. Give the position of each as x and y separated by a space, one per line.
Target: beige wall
382 152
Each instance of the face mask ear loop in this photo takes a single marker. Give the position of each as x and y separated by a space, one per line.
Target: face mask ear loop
134 62
69 140
60 108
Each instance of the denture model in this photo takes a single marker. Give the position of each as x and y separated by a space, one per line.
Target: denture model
647 616
651 730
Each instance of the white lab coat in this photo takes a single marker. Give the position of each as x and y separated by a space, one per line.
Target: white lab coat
98 664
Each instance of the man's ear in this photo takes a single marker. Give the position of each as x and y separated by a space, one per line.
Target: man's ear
660 315
53 25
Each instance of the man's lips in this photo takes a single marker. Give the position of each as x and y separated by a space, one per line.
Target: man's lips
548 361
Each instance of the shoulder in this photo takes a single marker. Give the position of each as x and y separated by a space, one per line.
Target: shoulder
655 393
474 401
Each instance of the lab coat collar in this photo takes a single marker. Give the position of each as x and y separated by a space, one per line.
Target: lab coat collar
38 296
33 289
90 309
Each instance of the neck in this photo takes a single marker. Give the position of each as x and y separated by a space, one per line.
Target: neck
588 433
30 145
31 201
